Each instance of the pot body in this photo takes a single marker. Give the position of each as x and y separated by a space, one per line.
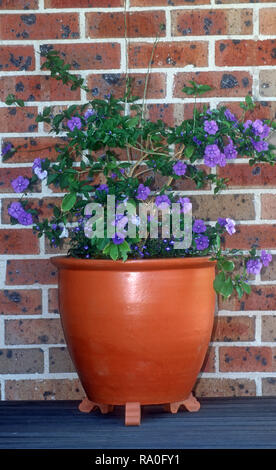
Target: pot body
137 331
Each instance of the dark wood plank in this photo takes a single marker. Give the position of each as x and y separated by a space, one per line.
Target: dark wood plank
221 423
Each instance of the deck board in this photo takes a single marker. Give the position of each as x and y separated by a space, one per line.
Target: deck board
221 423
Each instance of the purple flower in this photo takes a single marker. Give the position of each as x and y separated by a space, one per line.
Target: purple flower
143 192
230 116
162 201
118 240
19 184
186 204
74 122
222 222
199 226
202 242
15 209
103 187
211 155
260 146
222 160
258 127
247 124
25 218
230 226
266 257
6 149
253 266
197 141
210 127
266 131
230 152
89 112
179 168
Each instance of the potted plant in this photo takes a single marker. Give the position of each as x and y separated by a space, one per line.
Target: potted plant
137 288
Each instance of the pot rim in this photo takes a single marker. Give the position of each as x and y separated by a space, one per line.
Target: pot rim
67 262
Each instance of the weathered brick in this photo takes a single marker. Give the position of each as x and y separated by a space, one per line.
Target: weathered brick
47 389
30 148
19 5
16 58
37 88
209 22
104 84
169 54
268 210
7 175
40 26
171 113
243 1
53 300
83 3
269 386
236 206
44 207
242 175
20 302
269 328
34 331
32 271
60 361
88 56
138 24
261 298
267 82
18 241
245 359
245 52
224 387
269 273
261 236
227 328
148 3
209 361
21 361
267 21
223 83
18 119
262 110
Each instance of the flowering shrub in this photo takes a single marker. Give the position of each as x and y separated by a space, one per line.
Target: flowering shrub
108 152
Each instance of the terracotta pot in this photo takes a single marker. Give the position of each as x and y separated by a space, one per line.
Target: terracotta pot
137 331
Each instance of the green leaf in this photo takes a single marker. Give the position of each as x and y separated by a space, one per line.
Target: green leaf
114 252
189 150
219 281
228 266
227 288
246 287
68 202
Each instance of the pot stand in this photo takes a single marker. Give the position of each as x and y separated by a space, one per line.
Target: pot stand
133 409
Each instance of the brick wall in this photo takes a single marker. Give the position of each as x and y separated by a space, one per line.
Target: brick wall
230 45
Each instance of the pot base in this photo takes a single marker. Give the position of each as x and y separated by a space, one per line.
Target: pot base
133 410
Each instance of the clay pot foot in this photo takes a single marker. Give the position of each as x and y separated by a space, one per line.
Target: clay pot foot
190 403
86 406
132 414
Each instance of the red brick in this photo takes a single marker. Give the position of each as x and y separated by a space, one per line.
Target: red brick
148 3
245 52
16 58
37 88
225 387
103 84
263 110
83 3
60 361
30 271
20 302
261 236
40 26
9 174
44 207
223 83
228 328
21 361
268 328
19 5
34 331
18 241
204 22
245 359
243 1
46 389
267 21
90 56
33 147
53 300
269 386
209 361
169 54
242 175
138 24
268 210
261 298
18 119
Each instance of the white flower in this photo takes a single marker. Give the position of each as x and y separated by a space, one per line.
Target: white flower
40 174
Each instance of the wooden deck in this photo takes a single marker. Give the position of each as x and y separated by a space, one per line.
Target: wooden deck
221 423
